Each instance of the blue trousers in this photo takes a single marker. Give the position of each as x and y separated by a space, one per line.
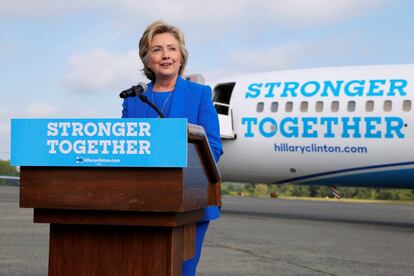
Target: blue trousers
190 266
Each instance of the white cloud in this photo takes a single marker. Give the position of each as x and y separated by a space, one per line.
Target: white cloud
185 11
42 8
5 115
100 70
213 12
319 11
282 57
259 11
32 110
332 51
4 128
40 109
5 140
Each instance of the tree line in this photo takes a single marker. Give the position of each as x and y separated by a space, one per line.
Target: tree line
6 169
289 190
268 190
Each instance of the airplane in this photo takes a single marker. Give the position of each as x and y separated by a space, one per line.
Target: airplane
335 126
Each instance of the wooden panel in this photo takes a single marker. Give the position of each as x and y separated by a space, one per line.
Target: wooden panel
93 250
214 194
116 218
123 189
189 236
175 256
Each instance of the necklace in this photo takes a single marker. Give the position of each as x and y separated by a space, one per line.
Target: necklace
164 104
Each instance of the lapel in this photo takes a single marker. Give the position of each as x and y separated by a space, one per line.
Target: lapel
179 100
144 109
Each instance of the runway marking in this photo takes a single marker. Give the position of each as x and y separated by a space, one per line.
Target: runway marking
211 244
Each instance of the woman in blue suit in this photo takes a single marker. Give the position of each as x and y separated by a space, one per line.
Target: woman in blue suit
164 56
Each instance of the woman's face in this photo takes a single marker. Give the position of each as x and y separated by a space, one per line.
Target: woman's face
164 56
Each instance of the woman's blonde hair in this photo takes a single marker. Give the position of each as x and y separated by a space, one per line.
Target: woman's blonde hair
160 27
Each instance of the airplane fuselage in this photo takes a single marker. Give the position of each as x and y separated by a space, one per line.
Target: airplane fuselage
328 126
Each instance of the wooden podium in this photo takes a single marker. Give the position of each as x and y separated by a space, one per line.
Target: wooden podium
123 221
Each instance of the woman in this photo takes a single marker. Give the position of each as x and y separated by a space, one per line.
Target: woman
164 56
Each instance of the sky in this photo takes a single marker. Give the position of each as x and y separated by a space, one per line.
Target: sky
70 59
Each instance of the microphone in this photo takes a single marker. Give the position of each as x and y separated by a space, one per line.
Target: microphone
138 90
135 90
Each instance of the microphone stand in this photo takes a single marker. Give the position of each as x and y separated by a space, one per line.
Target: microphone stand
144 99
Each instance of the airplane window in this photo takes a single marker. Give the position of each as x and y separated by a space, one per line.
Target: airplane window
289 106
407 105
369 106
260 107
335 106
274 107
304 106
319 106
387 106
351 106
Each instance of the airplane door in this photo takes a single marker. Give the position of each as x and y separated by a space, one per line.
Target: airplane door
221 101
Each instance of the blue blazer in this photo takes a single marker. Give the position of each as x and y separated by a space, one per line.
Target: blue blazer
194 102
190 100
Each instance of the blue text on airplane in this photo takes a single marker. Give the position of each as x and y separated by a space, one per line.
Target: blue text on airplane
326 127
328 88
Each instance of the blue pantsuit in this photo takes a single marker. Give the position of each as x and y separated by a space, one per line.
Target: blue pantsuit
192 101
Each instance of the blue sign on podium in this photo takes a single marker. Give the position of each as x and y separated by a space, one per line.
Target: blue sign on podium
99 142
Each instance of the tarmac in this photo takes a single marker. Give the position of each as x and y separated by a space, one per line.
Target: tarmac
257 236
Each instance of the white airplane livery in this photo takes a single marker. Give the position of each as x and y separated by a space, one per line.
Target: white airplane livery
345 126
